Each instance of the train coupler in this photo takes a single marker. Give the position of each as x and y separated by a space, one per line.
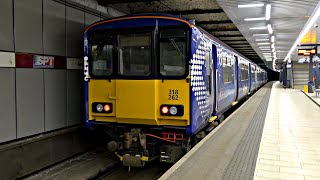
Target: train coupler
134 161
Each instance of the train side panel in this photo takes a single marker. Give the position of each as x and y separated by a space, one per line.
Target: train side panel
201 81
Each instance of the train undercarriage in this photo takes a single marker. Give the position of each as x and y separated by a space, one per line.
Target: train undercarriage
136 146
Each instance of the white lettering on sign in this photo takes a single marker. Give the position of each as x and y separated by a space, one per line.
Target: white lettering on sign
43 61
86 69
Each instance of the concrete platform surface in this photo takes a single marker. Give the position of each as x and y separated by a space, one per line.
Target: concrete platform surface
230 150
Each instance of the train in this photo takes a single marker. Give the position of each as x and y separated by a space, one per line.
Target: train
155 83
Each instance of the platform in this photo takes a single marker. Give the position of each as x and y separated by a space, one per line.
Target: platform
274 135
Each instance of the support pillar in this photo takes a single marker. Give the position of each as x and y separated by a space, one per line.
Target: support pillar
310 74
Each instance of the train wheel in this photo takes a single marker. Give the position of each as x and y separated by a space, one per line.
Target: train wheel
221 119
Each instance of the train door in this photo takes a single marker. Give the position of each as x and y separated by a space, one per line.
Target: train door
250 77
213 59
236 82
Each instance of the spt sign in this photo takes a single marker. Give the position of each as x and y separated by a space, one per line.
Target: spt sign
43 61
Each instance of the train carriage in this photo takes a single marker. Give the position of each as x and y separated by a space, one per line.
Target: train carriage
155 82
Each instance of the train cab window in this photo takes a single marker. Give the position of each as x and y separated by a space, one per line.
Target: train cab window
172 52
101 59
134 53
227 71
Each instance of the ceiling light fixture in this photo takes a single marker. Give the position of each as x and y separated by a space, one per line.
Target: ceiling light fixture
306 28
258 28
262 39
260 35
272 39
272 45
269 29
255 19
268 11
264 43
250 5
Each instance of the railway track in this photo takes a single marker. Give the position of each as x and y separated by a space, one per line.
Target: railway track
149 172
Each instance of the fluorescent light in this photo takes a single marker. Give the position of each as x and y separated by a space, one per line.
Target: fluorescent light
272 45
250 5
254 19
272 39
257 28
269 29
306 28
268 11
265 43
260 35
262 39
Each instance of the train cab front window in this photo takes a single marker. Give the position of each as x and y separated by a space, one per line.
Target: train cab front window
172 52
134 54
101 59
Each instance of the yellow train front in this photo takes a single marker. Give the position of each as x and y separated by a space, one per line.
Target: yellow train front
136 85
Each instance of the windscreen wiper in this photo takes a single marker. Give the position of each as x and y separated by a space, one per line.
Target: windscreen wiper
175 46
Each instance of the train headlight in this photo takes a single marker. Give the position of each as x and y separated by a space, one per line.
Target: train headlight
102 107
173 110
99 107
164 110
107 108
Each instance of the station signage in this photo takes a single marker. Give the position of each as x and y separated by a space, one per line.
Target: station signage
43 61
307 52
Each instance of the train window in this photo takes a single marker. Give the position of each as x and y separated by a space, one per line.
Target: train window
135 54
208 58
244 72
253 70
172 52
227 71
101 59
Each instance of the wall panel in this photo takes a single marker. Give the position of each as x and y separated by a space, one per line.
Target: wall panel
28 26
54 28
90 19
30 101
55 98
6 26
75 29
75 105
7 105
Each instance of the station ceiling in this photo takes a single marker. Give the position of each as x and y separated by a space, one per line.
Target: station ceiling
207 14
226 21
287 20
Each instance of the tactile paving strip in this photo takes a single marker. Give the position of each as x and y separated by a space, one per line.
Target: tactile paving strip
242 164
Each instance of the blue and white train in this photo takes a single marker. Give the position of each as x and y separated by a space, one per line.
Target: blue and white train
155 82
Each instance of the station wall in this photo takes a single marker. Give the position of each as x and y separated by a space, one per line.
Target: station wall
36 99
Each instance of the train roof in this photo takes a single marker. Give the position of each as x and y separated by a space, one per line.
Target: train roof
169 17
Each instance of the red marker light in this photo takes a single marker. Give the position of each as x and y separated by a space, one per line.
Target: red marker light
106 107
164 110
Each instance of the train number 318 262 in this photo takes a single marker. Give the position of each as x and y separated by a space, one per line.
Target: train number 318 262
173 94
